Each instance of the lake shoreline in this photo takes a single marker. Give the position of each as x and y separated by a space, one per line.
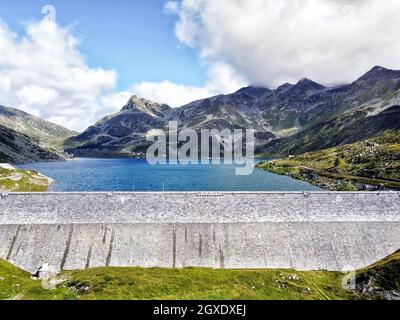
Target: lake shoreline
330 181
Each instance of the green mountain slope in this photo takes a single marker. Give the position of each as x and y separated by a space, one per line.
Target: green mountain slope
16 147
374 162
344 129
47 133
26 138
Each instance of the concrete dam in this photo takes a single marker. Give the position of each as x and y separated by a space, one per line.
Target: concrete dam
303 231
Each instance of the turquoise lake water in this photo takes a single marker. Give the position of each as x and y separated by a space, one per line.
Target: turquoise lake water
91 174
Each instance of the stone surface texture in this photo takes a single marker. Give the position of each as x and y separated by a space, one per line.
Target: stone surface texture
303 231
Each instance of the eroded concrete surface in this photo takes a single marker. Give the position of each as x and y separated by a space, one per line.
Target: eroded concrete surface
304 231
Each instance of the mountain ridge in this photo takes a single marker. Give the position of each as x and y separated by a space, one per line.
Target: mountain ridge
27 138
16 147
49 134
281 117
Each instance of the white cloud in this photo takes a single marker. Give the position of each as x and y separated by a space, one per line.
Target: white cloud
37 95
45 74
171 7
269 42
221 79
263 42
116 100
168 92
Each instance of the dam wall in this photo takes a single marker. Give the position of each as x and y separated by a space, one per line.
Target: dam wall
302 231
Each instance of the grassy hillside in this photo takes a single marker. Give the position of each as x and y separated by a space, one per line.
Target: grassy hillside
379 281
17 180
26 138
190 283
347 128
374 162
132 283
49 134
16 147
17 284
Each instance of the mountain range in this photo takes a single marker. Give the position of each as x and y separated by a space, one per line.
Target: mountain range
291 119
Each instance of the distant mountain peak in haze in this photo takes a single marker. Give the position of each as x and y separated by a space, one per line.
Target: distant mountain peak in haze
304 86
308 85
284 87
378 73
255 91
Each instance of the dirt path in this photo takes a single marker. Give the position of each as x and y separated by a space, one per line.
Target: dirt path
15 177
366 180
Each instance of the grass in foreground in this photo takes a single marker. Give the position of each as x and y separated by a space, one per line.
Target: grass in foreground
346 168
182 284
17 284
205 284
379 281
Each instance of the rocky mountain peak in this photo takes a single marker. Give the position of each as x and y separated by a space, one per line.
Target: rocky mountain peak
136 103
304 86
308 85
254 91
284 87
378 73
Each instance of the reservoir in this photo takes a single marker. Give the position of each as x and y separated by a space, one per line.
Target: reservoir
108 174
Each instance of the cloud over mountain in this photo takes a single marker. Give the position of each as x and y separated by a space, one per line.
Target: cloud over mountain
269 42
239 42
45 74
221 79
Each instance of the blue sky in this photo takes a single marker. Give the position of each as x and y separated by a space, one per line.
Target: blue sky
135 37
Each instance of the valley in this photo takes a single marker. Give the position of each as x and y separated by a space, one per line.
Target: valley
289 121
